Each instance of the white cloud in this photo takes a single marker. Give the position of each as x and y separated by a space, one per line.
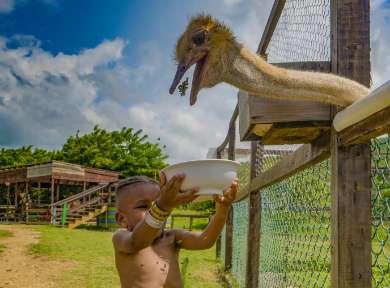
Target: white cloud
45 98
6 6
380 43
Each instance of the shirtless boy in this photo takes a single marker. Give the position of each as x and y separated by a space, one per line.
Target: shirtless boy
146 254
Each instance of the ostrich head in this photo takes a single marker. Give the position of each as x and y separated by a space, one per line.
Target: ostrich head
206 43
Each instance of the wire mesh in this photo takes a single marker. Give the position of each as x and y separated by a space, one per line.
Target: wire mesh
223 239
240 232
380 201
295 230
269 155
302 32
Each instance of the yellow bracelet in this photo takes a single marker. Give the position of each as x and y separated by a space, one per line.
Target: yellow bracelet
157 216
159 210
158 213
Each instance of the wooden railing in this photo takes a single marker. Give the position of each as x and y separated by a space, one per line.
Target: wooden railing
81 201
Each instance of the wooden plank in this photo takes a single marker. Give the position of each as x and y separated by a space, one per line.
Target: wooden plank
303 157
232 122
57 191
265 112
229 222
371 127
254 223
295 132
269 29
229 241
351 221
351 185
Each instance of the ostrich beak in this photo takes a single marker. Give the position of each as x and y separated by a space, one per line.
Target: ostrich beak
181 70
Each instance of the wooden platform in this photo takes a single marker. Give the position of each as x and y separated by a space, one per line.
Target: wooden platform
62 172
274 121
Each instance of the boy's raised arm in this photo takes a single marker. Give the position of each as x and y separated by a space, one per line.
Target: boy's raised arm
207 238
146 231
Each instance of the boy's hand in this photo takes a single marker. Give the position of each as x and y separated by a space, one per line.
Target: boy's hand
171 195
223 202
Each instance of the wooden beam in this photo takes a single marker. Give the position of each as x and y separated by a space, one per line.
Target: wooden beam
269 29
229 241
58 191
371 127
351 221
232 122
229 222
16 195
351 183
254 222
305 156
52 191
8 194
39 192
27 202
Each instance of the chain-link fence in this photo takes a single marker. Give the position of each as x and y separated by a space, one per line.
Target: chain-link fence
240 238
302 33
295 230
380 201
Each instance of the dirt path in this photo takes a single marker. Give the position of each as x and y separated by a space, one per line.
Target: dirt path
18 269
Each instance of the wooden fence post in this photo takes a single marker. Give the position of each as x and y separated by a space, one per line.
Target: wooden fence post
219 239
254 222
351 185
229 222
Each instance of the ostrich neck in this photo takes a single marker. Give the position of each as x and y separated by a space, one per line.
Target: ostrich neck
249 72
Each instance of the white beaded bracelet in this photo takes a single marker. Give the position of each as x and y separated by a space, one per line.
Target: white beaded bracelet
153 222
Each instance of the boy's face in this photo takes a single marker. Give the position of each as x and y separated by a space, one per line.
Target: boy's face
134 202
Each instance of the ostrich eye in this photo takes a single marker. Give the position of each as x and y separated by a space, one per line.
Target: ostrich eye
199 37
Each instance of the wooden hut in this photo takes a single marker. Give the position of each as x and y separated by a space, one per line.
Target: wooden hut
27 193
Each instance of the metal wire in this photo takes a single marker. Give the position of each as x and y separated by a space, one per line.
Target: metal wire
380 207
239 247
269 155
302 32
295 230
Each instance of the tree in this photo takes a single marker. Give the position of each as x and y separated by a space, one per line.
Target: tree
127 151
24 155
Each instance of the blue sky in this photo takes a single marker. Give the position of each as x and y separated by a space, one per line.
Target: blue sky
71 64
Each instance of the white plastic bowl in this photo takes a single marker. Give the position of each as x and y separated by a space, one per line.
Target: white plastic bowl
212 176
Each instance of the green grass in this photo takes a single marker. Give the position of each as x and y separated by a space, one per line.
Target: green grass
90 251
92 256
5 233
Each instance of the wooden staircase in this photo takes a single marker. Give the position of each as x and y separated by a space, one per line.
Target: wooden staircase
83 207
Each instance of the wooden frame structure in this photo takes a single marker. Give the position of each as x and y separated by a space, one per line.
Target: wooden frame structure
349 151
28 191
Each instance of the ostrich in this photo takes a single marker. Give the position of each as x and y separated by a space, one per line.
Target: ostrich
220 58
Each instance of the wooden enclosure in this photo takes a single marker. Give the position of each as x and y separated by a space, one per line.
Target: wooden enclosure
265 122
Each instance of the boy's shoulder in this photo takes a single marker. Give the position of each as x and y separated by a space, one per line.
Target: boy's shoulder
120 234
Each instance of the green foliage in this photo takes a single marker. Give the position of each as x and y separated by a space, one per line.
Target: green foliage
207 206
24 155
127 151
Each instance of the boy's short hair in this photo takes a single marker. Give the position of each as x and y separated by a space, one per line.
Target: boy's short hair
131 181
